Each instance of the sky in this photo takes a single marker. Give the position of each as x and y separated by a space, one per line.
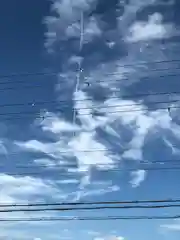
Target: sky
63 140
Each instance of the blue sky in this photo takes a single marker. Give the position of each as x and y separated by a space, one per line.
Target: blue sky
125 131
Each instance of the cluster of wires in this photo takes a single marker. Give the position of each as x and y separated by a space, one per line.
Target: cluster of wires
92 206
63 105
123 108
64 169
107 109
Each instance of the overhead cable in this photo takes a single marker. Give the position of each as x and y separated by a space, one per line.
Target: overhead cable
29 85
44 204
138 95
27 114
62 209
50 219
27 74
38 173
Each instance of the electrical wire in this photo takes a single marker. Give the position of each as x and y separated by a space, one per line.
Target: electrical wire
39 103
132 110
44 74
25 114
60 209
29 74
50 219
176 168
34 86
140 77
43 204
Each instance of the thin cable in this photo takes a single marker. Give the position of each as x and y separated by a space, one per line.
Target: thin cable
21 113
140 77
166 217
31 114
24 86
27 74
60 209
109 170
127 105
34 114
132 110
43 204
39 103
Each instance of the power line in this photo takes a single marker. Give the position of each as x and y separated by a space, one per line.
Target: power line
126 105
60 209
15 87
142 77
27 115
15 115
34 103
109 170
165 217
94 107
44 74
41 204
146 169
27 74
152 70
132 110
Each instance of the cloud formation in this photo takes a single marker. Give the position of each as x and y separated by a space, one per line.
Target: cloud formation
150 30
111 127
137 177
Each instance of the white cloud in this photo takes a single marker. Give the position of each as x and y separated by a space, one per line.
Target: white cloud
23 188
137 177
78 142
66 24
16 190
84 141
87 151
71 148
56 124
96 192
68 181
109 238
152 29
172 227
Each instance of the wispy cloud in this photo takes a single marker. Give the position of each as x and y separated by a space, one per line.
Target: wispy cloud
80 142
137 177
19 189
109 127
